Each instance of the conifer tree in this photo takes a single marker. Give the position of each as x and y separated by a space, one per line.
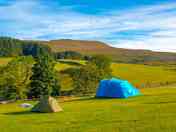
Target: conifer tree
43 79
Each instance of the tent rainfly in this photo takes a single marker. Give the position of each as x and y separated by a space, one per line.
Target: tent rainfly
116 88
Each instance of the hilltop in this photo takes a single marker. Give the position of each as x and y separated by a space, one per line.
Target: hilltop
119 54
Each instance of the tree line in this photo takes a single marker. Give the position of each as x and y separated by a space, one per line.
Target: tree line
10 47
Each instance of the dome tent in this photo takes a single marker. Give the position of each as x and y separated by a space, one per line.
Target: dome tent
116 88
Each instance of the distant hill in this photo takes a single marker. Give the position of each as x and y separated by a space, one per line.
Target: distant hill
119 54
10 47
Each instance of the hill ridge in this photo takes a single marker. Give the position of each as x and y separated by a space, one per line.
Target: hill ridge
120 54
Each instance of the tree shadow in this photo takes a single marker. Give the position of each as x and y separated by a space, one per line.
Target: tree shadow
80 99
22 113
93 98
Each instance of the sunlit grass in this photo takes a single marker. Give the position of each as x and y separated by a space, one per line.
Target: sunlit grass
154 111
143 75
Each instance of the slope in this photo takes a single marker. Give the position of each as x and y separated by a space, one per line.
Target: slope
118 54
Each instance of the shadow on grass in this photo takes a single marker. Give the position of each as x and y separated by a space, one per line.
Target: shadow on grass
22 113
93 98
164 102
80 99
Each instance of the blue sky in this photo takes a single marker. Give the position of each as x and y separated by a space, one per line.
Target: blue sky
135 24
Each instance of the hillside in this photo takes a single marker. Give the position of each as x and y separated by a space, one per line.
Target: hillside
119 54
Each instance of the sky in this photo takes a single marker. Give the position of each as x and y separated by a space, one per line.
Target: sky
134 24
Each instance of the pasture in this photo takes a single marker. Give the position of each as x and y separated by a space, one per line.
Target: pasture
144 75
151 112
154 111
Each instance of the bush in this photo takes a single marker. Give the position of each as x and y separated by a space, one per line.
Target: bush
87 77
103 64
15 78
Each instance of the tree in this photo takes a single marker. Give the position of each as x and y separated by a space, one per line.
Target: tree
56 86
86 80
10 47
101 61
33 48
44 83
15 78
87 77
69 55
43 79
103 64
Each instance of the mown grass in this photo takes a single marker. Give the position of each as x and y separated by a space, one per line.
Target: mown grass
154 111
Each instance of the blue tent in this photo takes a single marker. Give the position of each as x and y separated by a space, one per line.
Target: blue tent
115 88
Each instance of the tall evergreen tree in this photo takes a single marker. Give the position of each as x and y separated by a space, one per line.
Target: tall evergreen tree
43 79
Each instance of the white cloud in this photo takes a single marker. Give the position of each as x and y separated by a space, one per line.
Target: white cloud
33 20
156 44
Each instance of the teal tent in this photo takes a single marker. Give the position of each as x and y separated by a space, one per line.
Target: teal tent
116 88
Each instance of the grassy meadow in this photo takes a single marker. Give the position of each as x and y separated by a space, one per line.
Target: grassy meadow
145 75
154 111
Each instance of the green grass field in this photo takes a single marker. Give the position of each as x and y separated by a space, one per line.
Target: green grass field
154 111
144 75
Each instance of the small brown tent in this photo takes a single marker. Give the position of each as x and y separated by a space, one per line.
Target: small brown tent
47 105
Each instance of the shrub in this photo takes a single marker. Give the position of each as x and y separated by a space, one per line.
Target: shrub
15 78
87 77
